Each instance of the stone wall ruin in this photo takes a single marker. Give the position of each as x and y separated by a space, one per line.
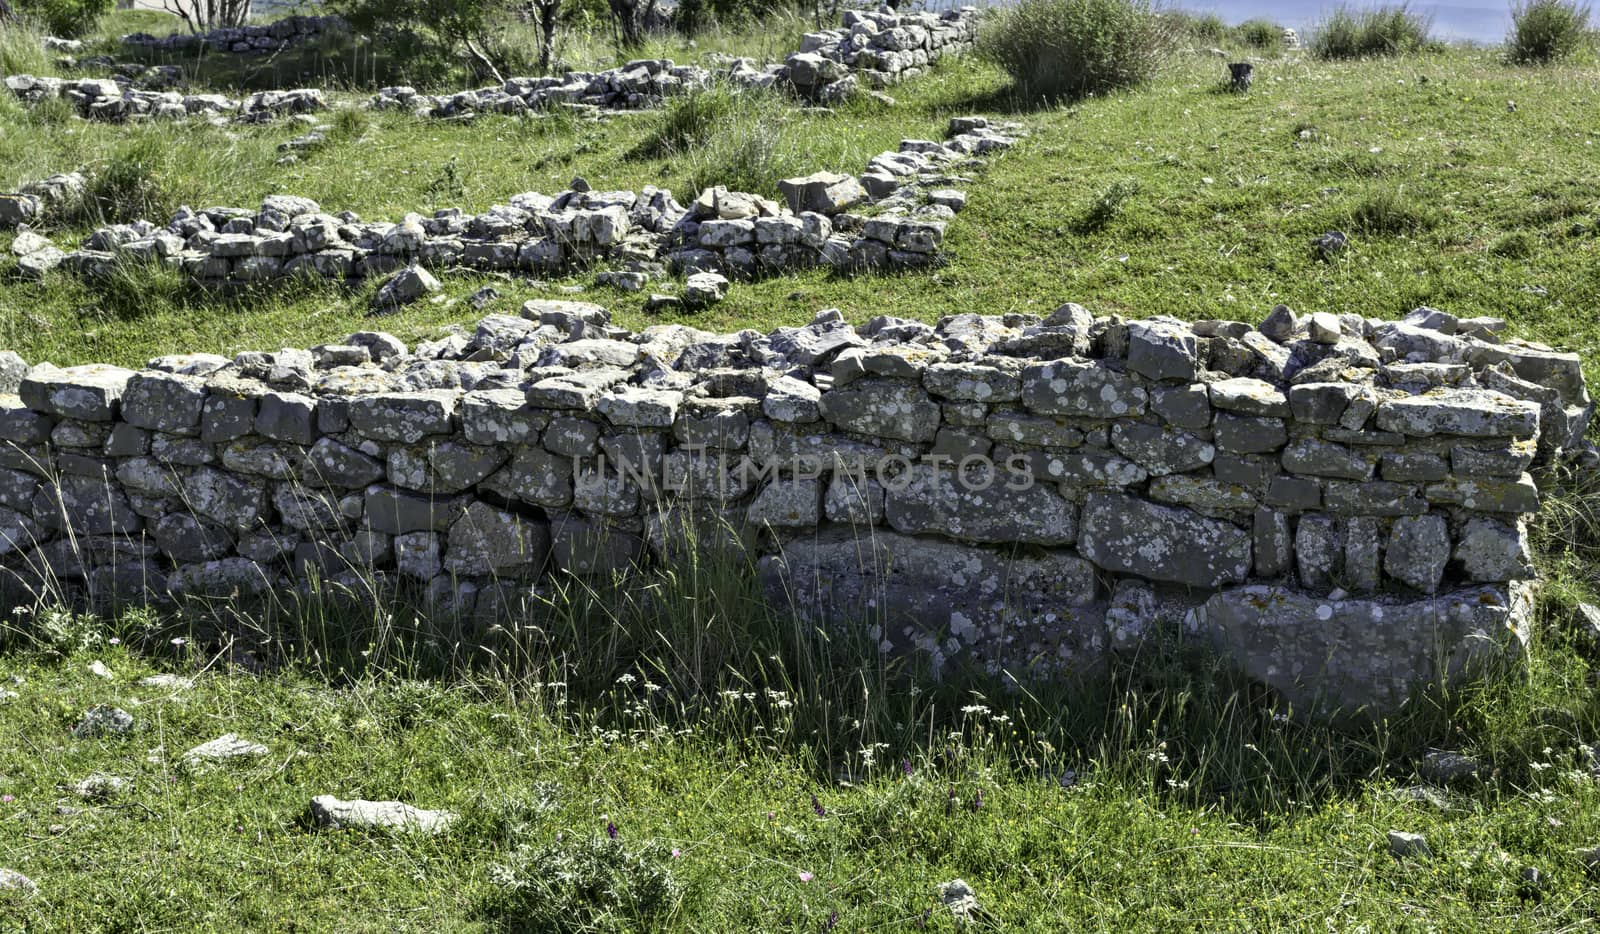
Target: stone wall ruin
1338 504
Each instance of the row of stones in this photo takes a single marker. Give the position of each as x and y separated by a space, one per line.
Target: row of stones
877 48
734 233
559 417
249 39
117 101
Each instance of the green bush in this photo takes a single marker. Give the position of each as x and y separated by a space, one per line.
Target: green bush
1544 31
1367 33
586 884
68 18
694 119
1066 49
1259 33
1390 212
1202 27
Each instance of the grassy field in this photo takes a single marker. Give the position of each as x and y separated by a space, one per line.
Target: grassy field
1452 198
761 777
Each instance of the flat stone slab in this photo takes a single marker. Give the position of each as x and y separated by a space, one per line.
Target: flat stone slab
1354 657
335 813
225 747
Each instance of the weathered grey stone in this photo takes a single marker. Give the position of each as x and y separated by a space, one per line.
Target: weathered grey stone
1510 459
1161 349
1083 388
164 402
1364 657
1487 494
1247 396
883 408
335 814
1418 548
103 720
1324 459
226 747
288 417
823 192
590 548
1362 567
535 476
1490 550
500 416
949 601
1476 413
332 464
1163 543
184 538
982 503
407 417
396 512
223 578
973 382
636 407
1249 434
787 503
1413 468
490 542
1272 543
418 555
1161 449
92 392
854 501
1371 498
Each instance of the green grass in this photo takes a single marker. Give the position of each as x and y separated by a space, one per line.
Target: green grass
1194 805
1231 193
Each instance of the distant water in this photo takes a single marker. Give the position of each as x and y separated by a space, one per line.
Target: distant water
1483 22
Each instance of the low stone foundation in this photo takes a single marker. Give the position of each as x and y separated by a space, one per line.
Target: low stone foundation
891 216
1337 504
243 40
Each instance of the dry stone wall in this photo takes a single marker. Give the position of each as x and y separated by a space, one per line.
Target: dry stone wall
259 39
873 50
825 222
1338 504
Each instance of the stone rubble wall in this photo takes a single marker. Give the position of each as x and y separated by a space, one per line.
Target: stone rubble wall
243 40
738 234
1338 504
118 101
872 49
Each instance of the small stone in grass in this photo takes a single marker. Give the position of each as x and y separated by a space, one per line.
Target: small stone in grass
1404 844
103 720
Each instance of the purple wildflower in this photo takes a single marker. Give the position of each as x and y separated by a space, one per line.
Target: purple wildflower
977 800
6 799
817 806
905 766
833 920
611 830
676 853
806 876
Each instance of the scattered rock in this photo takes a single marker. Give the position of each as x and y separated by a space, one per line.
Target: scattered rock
99 670
224 747
169 681
962 902
13 881
334 813
1331 244
103 720
100 787
1402 844
704 289
1446 768
403 288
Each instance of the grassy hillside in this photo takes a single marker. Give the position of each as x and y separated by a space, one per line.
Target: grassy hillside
1452 198
759 776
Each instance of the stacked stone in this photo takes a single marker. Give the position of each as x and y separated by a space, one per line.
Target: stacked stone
243 40
739 234
875 49
119 101
1338 503
33 200
637 85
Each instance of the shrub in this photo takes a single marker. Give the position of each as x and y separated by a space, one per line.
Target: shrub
1390 212
1389 30
69 18
1544 31
1260 33
1108 205
1065 49
593 884
1203 27
693 119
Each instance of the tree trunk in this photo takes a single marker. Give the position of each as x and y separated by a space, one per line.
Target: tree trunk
547 11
